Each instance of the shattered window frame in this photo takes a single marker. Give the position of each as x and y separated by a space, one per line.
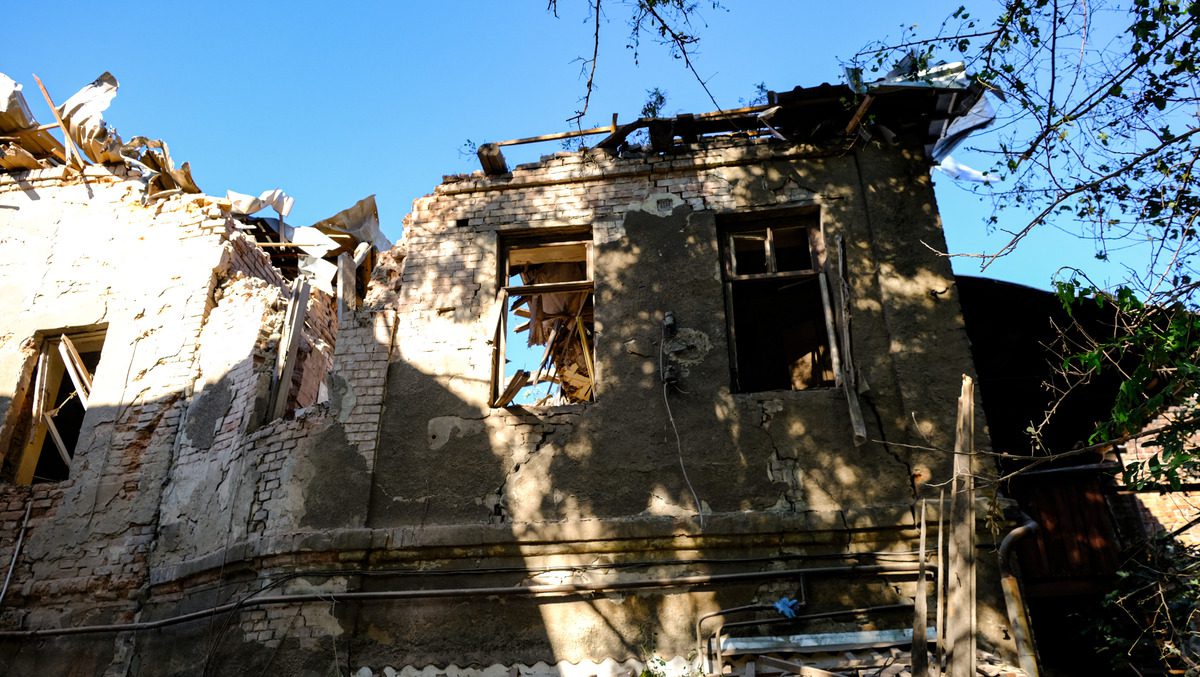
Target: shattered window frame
565 336
781 267
60 383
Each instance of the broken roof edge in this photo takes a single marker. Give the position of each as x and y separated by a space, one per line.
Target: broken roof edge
939 98
91 148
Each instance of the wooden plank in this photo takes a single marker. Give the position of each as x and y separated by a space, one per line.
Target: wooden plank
555 136
858 114
564 252
68 141
347 290
33 447
361 252
587 356
940 612
492 159
289 344
546 353
52 429
920 646
518 381
76 369
849 377
830 331
550 288
960 609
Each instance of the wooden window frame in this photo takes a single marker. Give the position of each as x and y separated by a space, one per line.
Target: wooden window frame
502 392
837 318
728 252
58 358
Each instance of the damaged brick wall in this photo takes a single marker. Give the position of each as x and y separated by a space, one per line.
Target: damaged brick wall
173 462
606 476
407 480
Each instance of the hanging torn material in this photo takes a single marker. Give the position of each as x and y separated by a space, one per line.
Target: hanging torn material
82 114
153 157
360 221
242 204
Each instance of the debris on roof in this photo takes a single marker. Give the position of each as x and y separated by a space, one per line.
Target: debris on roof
25 144
924 103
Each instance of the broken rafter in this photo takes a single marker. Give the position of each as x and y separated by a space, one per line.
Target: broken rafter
518 381
72 149
289 344
858 114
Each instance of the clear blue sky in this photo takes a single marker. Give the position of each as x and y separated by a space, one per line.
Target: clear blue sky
335 101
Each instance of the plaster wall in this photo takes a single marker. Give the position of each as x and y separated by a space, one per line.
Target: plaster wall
405 480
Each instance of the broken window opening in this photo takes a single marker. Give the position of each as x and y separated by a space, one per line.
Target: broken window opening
780 320
56 403
546 328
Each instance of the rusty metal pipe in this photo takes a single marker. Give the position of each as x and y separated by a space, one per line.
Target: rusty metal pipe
1018 616
443 593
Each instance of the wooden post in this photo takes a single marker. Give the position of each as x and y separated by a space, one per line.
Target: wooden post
920 645
347 290
940 612
289 344
960 611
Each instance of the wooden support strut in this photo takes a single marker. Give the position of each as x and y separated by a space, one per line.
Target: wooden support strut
76 369
72 149
289 344
960 600
920 645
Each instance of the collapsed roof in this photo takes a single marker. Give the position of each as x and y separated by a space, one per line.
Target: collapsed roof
939 105
88 139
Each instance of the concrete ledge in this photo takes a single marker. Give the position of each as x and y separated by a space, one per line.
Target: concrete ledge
831 528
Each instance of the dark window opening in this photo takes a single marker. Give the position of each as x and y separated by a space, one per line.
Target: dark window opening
545 333
57 400
782 339
780 321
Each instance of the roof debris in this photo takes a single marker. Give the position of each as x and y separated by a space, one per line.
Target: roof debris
25 145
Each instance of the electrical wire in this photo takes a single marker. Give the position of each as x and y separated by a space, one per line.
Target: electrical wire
671 417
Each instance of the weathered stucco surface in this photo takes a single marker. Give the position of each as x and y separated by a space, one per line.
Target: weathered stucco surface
404 480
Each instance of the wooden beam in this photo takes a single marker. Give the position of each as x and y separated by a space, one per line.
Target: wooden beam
550 288
52 429
518 381
960 601
557 135
347 290
492 159
920 645
289 344
76 369
858 114
537 375
567 252
68 141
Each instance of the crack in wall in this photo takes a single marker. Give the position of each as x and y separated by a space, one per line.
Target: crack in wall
497 502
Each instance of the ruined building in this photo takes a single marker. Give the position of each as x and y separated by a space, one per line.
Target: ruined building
585 404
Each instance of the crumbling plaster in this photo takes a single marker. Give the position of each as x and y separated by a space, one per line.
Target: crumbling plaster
183 500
